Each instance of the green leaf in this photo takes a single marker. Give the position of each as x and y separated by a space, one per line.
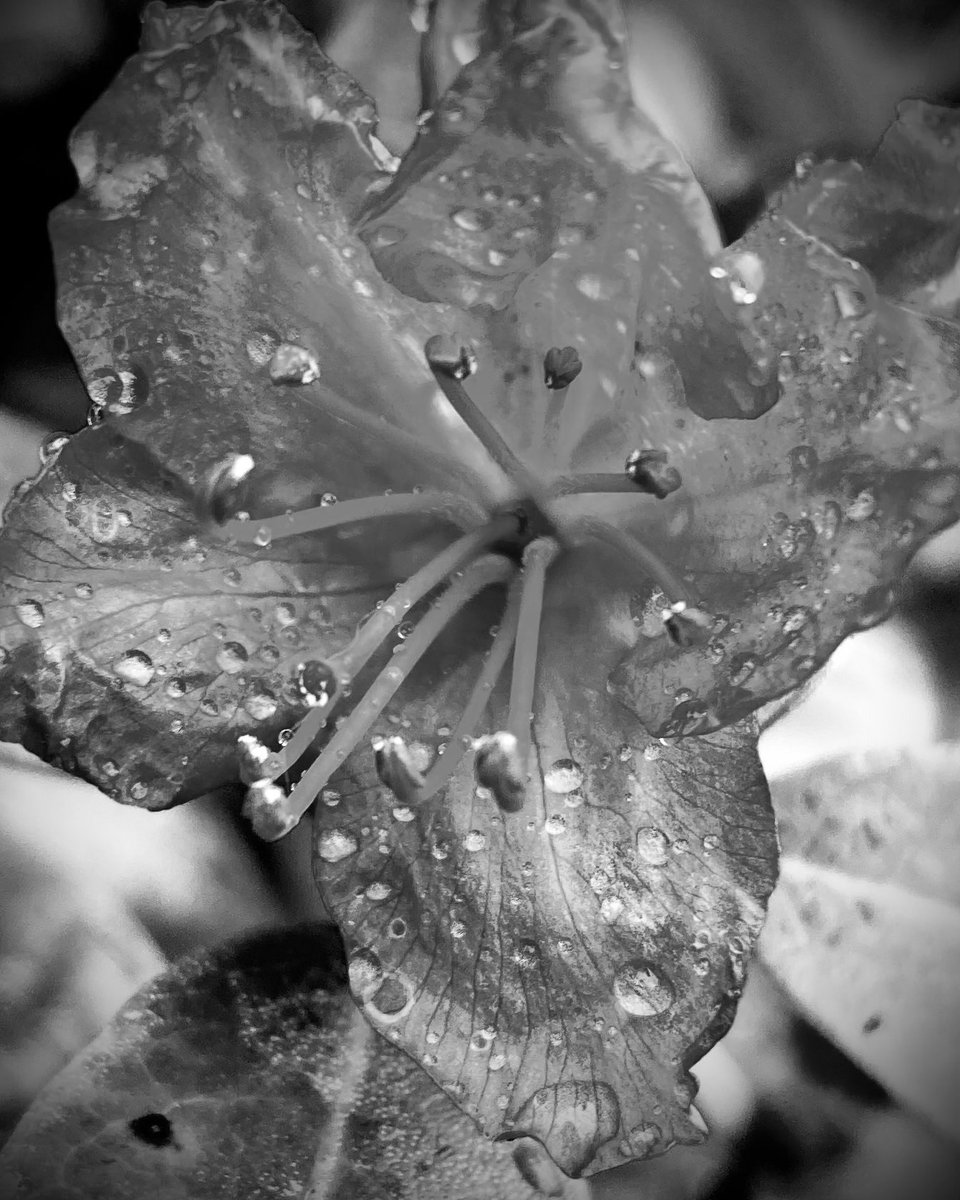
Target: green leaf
248 1071
864 925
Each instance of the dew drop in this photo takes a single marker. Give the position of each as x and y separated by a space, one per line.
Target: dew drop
231 657
260 705
652 845
475 840
563 776
472 220
135 667
555 825
293 364
711 842
863 505
285 614
83 591
334 845
397 928
852 302
316 683
595 287
378 891
497 1062
387 235
458 930
642 990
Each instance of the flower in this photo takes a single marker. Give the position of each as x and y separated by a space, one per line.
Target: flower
331 418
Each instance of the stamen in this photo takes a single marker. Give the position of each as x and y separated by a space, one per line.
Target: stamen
634 551
457 509
448 375
460 740
504 760
348 663
600 481
481 574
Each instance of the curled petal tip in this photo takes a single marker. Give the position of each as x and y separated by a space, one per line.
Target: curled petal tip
397 768
498 767
265 807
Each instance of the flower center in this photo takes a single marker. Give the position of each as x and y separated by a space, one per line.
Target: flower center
512 549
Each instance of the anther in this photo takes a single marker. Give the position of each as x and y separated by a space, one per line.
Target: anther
649 471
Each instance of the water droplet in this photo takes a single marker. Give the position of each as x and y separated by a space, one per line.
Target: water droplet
138 790
652 845
475 840
260 705
642 990
852 302
564 776
472 220
263 537
497 1062
51 446
135 667
231 657
742 274
795 619
863 505
640 1141
555 825
335 844
294 365
596 287
316 683
397 928
387 235
458 930
83 591
378 891
261 346
711 842
365 973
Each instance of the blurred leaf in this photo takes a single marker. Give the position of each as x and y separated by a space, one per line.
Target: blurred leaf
864 925
76 940
249 1072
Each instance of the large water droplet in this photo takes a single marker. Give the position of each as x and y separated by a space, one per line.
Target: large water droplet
260 705
564 776
232 657
135 667
642 990
30 613
316 683
335 844
472 220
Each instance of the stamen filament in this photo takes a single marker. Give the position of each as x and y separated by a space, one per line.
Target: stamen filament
634 551
598 481
460 510
347 663
481 574
536 560
442 770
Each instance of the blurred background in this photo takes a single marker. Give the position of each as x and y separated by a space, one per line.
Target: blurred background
743 87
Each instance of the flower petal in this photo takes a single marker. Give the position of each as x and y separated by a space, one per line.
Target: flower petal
556 970
217 304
